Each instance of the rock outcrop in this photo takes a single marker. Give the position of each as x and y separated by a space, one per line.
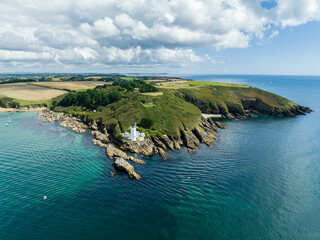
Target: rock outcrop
220 125
205 133
162 153
258 106
67 121
101 136
144 148
74 125
167 142
122 165
113 152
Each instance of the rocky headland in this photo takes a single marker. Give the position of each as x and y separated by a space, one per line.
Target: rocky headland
205 132
171 117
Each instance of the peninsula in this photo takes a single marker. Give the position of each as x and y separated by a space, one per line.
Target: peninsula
167 113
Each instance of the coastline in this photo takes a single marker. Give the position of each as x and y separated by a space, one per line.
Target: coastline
205 132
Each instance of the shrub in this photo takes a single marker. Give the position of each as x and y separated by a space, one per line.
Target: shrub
146 123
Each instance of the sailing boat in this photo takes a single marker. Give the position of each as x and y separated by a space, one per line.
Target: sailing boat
9 121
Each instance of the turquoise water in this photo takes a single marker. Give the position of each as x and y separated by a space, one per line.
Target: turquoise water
261 180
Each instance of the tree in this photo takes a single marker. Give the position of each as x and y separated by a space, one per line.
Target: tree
146 123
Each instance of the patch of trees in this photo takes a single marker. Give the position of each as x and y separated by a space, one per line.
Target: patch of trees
146 123
8 103
18 81
90 99
76 78
131 85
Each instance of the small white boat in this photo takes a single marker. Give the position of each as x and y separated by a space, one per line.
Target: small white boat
44 197
6 124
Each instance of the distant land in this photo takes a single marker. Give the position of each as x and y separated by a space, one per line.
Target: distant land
170 112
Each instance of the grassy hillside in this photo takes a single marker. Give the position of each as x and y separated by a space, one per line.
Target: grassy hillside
226 98
168 113
175 105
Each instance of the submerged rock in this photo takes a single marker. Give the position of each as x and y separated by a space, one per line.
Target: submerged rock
162 153
123 165
190 150
112 173
220 125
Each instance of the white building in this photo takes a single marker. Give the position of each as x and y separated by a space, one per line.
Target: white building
134 134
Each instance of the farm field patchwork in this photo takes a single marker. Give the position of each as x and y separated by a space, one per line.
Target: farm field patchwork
71 85
25 91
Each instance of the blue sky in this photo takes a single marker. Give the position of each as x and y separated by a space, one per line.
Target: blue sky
295 51
158 36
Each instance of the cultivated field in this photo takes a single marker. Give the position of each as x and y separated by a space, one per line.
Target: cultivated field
72 85
25 91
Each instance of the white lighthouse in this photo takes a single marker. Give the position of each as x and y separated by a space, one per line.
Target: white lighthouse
133 132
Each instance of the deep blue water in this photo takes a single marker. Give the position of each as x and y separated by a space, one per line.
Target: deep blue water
261 180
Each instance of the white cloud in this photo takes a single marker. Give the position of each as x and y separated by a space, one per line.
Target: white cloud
296 12
100 28
146 32
274 34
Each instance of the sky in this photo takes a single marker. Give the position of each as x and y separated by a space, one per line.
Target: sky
161 36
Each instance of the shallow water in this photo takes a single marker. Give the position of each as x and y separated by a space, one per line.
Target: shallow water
259 181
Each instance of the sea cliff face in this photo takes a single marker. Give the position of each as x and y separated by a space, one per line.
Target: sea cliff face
205 132
239 102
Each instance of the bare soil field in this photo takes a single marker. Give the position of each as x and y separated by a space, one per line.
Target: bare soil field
25 91
72 85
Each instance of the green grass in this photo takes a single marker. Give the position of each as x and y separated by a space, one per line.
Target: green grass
128 78
23 103
205 83
169 113
178 108
223 97
191 84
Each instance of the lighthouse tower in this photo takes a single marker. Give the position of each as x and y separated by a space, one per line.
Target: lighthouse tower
133 132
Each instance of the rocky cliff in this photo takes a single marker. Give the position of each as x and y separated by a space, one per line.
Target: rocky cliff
239 102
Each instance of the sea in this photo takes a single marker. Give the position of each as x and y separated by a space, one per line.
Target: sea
260 180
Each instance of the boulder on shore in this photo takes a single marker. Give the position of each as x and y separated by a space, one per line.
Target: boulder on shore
113 152
123 165
220 125
162 153
100 136
144 148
